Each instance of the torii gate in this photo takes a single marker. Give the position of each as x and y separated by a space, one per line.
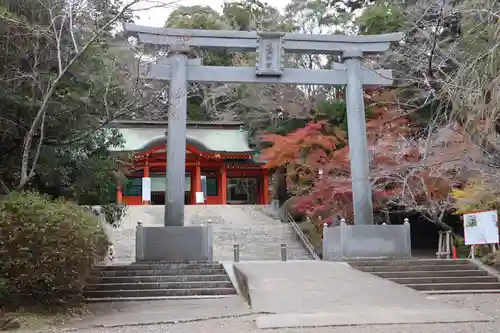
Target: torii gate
270 48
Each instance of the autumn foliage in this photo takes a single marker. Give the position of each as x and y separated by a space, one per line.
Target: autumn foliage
403 173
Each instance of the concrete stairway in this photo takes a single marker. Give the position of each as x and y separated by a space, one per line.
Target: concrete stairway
433 276
255 228
152 281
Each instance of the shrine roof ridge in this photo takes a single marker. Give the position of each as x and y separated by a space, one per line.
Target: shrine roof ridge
164 123
131 30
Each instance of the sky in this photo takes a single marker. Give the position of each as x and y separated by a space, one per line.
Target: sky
156 17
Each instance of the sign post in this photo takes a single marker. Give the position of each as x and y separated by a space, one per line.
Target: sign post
481 228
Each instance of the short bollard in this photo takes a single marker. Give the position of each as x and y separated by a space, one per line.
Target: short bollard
283 252
236 250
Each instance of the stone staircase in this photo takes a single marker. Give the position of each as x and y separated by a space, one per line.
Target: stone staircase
432 276
256 229
154 281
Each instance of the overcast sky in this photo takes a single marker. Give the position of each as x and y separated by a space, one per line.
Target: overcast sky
156 17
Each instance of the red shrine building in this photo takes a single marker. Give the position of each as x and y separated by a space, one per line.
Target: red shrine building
216 151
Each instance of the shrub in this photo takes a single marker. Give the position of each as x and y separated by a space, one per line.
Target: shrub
492 259
47 249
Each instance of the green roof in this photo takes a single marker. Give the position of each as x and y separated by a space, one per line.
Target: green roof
217 137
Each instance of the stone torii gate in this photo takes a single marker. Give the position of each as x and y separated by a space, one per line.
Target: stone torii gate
270 48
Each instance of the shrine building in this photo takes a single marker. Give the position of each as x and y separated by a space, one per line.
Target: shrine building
218 152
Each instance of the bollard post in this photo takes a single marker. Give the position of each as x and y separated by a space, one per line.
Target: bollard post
139 241
407 231
236 250
283 252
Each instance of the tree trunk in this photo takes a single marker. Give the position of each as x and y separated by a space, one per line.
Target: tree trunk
282 192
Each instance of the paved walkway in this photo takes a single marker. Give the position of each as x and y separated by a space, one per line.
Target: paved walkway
312 293
287 295
488 304
119 314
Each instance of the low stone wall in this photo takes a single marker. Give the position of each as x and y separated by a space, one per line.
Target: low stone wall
174 243
243 285
366 241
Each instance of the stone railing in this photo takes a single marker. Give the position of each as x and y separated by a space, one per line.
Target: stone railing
363 241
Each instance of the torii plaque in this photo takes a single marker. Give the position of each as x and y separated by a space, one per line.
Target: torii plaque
270 47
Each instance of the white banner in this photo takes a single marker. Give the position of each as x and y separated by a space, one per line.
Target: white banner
146 189
200 197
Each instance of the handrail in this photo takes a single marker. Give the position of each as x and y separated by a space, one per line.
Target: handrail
305 241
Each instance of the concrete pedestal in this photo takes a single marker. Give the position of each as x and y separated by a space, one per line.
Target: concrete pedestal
174 243
366 241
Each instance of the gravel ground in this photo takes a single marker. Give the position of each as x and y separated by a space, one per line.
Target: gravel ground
488 304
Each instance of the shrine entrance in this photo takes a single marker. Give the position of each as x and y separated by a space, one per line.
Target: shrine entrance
217 154
181 67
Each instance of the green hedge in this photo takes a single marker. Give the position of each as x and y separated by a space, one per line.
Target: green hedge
47 250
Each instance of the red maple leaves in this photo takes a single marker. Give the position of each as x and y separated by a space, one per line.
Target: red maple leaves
402 173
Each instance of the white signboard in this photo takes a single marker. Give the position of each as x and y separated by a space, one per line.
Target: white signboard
481 228
200 197
146 189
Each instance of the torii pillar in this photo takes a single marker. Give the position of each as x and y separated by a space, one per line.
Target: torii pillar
176 136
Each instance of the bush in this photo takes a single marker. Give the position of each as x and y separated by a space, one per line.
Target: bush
492 259
47 250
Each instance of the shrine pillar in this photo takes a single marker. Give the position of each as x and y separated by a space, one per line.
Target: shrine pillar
197 182
119 194
146 175
223 184
265 188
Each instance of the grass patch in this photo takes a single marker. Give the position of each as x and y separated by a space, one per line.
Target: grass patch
312 232
42 319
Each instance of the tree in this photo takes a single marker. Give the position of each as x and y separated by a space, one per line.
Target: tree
257 105
63 77
448 63
405 172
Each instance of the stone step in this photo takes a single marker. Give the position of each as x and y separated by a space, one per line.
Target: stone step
158 278
160 285
380 269
461 292
158 292
407 262
445 279
160 272
158 266
423 274
455 286
154 298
